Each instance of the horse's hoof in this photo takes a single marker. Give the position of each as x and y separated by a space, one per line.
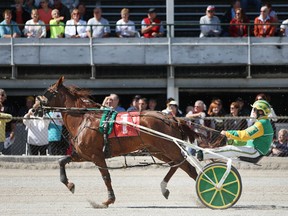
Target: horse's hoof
108 202
71 187
166 194
96 205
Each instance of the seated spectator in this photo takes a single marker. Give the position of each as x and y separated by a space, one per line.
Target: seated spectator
228 16
271 12
245 4
35 28
98 27
37 3
4 118
75 28
57 28
238 28
210 24
82 11
29 102
124 26
115 103
28 6
263 26
143 104
284 28
280 147
70 4
174 110
167 109
107 102
63 10
151 26
19 14
45 15
198 113
152 104
9 28
135 104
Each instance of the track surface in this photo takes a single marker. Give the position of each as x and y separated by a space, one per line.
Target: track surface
137 190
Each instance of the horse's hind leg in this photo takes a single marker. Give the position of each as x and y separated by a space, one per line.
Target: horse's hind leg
165 181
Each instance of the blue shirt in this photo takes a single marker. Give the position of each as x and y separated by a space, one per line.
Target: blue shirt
9 29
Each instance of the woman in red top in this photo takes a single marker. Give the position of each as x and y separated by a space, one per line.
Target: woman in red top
239 27
45 14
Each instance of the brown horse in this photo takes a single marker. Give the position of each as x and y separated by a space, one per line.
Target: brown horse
88 141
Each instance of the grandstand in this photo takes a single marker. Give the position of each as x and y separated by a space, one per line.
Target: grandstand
189 80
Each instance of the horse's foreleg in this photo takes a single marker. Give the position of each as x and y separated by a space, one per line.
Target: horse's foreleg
107 180
165 181
63 177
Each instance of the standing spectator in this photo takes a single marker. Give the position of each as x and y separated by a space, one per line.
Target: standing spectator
98 25
280 147
167 110
243 110
124 26
271 12
55 134
214 111
57 28
82 11
245 4
219 102
70 4
115 103
135 104
63 10
45 14
151 26
37 3
152 104
263 26
35 28
107 103
143 104
19 14
9 28
234 123
7 108
210 24
75 27
28 6
284 28
239 25
37 127
4 118
229 15
174 111
198 113
29 102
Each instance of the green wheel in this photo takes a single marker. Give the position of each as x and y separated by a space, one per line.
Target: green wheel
218 198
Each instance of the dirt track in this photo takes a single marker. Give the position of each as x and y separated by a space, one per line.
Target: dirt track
39 192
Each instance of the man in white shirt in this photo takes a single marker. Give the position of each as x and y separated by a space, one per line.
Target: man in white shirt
284 28
98 27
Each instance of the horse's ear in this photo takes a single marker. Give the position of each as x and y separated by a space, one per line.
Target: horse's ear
60 81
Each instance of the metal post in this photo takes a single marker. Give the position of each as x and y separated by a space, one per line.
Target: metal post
249 54
93 72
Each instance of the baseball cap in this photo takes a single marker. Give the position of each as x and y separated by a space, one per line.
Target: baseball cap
152 10
210 7
173 103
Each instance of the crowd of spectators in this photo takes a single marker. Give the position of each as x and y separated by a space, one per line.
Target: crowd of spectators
78 23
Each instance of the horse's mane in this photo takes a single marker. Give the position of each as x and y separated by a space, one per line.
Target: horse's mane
78 92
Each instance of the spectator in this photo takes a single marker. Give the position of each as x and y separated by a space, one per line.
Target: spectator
271 12
234 123
115 103
151 26
7 108
82 11
35 28
280 147
135 104
243 110
167 110
107 102
214 111
75 28
19 14
63 10
263 26
198 113
28 6
29 101
219 102
174 111
45 14
284 28
210 24
98 25
124 26
152 104
143 104
70 4
229 15
37 127
4 144
55 134
245 4
5 26
189 108
57 28
37 3
238 28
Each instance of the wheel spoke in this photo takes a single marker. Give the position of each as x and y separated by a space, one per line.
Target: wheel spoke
208 190
229 183
229 192
212 199
209 182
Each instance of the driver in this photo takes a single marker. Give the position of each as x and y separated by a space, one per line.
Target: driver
258 137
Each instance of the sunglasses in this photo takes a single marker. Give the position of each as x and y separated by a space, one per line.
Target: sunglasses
210 11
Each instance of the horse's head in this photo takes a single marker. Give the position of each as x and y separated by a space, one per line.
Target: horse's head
54 95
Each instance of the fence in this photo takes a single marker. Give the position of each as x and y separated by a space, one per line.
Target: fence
212 130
